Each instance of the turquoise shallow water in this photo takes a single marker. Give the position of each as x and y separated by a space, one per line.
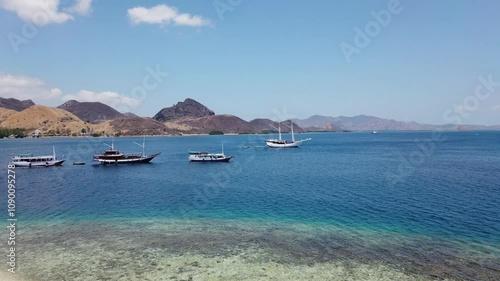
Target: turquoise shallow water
425 205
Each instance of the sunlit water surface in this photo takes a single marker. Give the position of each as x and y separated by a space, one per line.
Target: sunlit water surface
344 206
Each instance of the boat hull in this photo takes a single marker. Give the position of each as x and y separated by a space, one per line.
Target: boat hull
39 164
129 160
276 144
226 159
282 145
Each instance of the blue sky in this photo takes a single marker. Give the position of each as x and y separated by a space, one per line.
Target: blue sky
272 59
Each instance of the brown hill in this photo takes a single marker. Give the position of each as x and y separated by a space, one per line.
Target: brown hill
130 115
15 104
134 126
93 112
263 125
189 108
46 119
266 125
6 113
229 124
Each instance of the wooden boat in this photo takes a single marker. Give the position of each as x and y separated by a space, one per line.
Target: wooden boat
113 156
281 143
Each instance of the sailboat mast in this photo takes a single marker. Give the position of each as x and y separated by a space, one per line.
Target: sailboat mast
143 145
291 127
54 152
279 130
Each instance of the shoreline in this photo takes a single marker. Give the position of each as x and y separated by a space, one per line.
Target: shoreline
253 134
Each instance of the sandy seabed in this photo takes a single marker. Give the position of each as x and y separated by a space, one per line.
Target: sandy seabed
222 250
56 265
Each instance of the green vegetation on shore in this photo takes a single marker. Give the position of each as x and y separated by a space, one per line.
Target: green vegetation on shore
17 133
216 132
268 132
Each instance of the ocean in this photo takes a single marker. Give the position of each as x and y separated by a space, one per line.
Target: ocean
344 206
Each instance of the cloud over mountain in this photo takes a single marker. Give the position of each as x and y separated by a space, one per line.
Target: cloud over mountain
113 99
23 87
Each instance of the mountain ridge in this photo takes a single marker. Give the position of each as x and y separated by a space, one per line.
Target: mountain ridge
189 108
92 112
371 123
15 104
189 117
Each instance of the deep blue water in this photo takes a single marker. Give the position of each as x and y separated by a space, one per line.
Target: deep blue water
411 184
450 188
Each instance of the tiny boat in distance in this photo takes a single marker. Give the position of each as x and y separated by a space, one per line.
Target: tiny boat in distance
280 143
28 160
113 156
198 156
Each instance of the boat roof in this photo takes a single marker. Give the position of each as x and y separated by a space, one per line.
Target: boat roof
198 152
204 153
32 157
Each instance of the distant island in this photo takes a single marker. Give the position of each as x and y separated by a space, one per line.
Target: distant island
73 118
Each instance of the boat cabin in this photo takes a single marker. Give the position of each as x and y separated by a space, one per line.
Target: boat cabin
29 158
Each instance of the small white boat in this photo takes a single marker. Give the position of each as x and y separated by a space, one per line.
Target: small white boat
198 156
29 160
280 143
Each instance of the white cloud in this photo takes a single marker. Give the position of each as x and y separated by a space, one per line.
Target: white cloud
497 107
7 80
81 7
54 93
35 11
22 87
44 12
164 15
112 99
187 19
463 108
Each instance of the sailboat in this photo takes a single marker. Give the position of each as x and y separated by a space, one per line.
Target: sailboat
198 156
280 143
113 156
